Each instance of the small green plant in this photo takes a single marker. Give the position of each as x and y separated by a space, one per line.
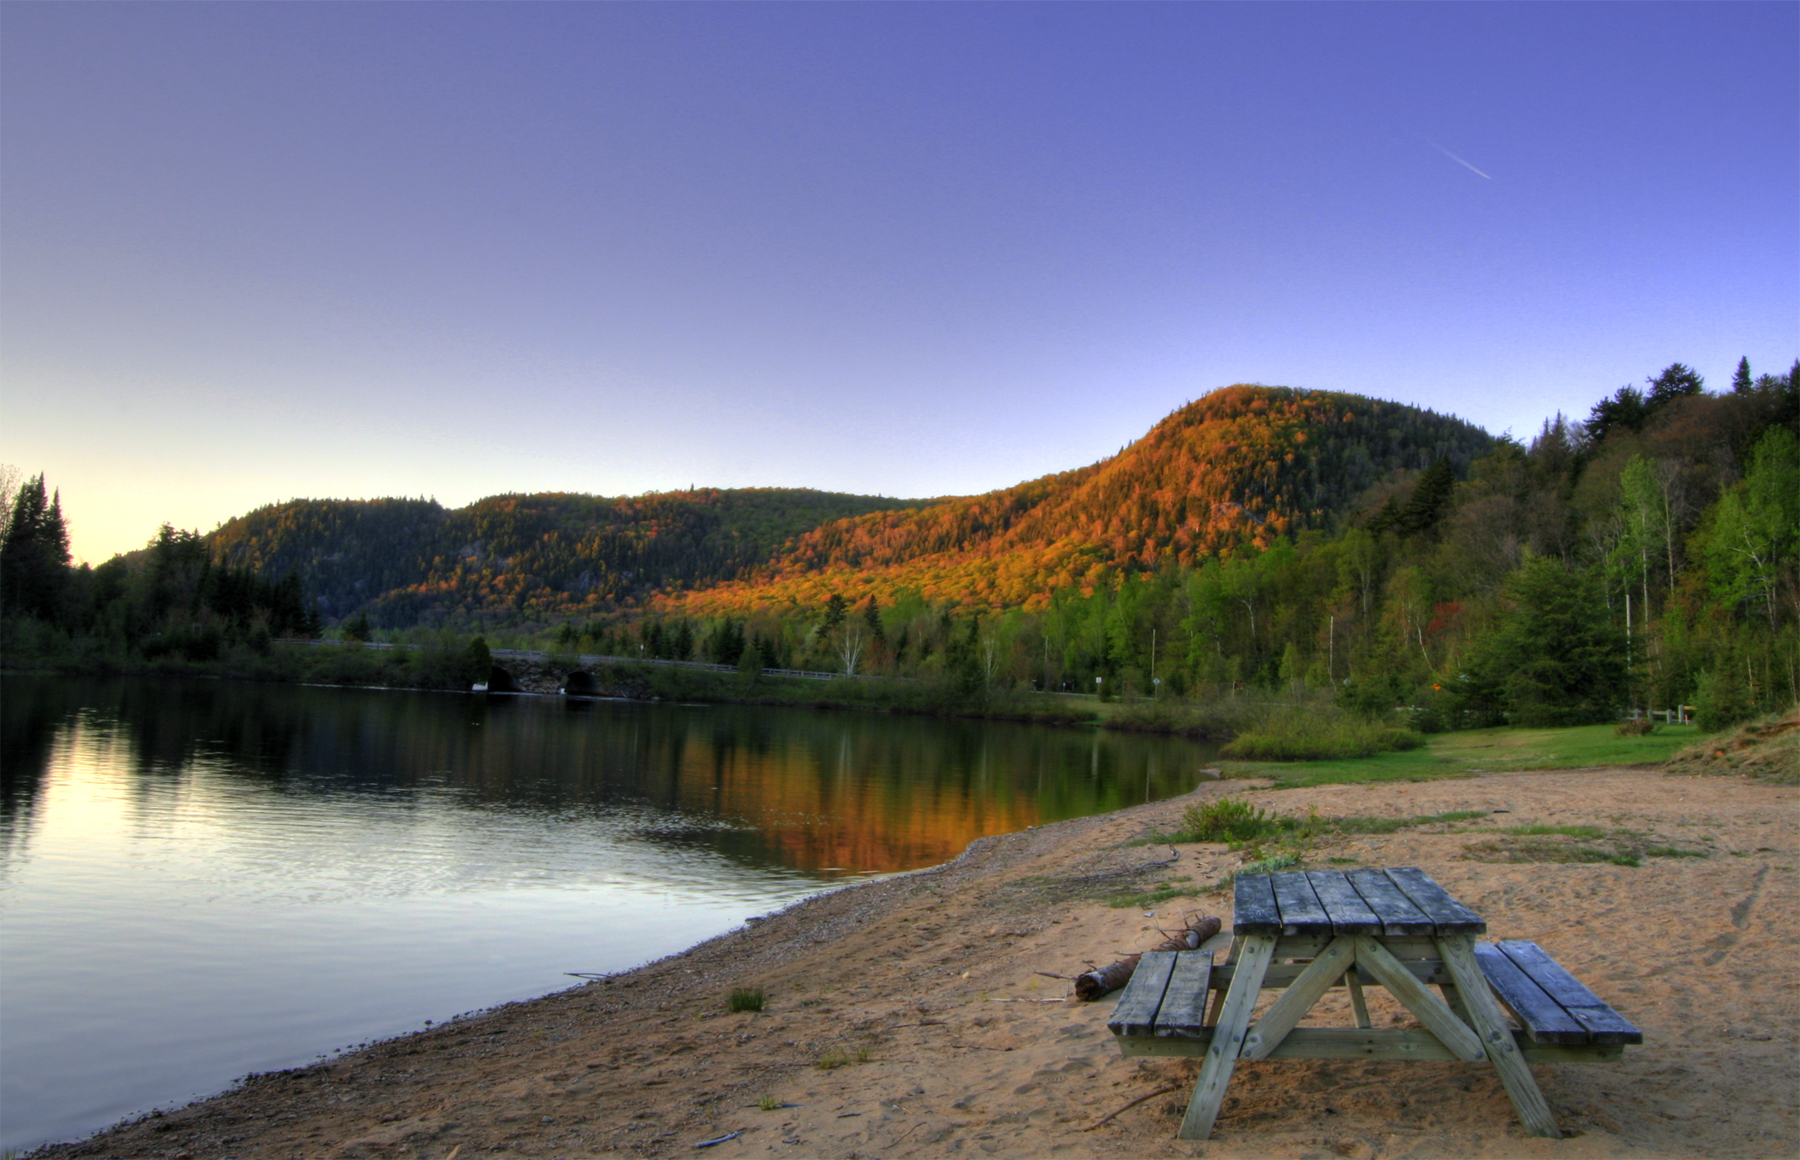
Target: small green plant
862 1054
1642 727
1230 819
832 1060
1672 852
1390 825
1591 833
1264 866
1161 892
767 1102
745 999
1624 860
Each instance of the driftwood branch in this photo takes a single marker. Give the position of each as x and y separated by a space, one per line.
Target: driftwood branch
1161 1091
1103 980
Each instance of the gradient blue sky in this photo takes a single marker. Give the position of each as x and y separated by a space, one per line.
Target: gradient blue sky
253 252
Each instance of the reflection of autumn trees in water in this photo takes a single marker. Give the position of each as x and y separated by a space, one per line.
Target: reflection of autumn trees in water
796 788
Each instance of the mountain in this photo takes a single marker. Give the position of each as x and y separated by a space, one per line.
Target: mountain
1241 466
521 558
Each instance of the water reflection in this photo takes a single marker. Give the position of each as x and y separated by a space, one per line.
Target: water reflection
804 790
202 879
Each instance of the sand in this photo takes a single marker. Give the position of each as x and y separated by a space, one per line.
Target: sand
904 1017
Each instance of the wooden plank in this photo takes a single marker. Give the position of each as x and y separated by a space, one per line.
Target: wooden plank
1227 1039
1496 1036
1432 973
1543 1017
1183 1010
1396 911
1453 1000
1600 1021
1135 1012
1253 909
1449 915
1298 999
1356 1043
1301 911
1348 912
1358 1007
1430 1009
1307 947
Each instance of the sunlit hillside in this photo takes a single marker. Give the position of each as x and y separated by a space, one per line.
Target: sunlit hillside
1242 465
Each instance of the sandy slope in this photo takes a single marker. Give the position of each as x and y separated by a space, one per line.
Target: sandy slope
905 981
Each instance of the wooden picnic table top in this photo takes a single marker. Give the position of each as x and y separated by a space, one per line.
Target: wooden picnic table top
1395 902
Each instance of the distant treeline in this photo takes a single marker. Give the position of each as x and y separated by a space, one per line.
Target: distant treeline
1647 556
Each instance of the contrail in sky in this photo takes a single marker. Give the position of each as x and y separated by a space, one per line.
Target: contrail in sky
1457 159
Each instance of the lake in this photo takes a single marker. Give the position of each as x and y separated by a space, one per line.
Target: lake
201 879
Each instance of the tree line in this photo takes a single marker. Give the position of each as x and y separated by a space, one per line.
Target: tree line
1644 557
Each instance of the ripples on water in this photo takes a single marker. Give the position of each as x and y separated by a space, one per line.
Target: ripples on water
199 879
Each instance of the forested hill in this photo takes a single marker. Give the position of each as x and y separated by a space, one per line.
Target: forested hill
1241 466
521 558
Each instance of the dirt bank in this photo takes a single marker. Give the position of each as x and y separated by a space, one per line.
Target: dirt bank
904 1017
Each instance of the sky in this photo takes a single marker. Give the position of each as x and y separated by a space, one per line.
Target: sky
251 253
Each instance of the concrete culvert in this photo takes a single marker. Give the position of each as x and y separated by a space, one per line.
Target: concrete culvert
580 684
501 681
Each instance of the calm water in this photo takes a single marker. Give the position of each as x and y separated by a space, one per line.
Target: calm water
199 879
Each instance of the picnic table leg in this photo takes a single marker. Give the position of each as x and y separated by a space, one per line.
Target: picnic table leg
1358 1006
1458 953
1228 1036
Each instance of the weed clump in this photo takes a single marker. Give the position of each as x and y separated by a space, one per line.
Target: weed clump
1230 819
745 999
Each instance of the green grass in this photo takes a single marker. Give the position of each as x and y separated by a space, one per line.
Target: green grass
1161 892
1264 866
1393 825
1480 750
1591 833
745 999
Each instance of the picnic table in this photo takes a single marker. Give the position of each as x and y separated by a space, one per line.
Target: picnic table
1306 932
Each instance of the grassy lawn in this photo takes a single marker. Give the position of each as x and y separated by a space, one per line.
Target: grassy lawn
1481 750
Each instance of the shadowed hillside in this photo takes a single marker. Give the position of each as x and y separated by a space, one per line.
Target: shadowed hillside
520 557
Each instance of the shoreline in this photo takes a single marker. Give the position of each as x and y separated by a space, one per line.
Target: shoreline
905 1016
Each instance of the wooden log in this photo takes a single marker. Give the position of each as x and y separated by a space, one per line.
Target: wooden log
1104 980
1101 981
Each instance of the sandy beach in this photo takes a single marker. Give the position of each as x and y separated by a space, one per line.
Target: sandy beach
905 1017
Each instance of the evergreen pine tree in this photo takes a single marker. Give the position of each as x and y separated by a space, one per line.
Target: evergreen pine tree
1741 382
34 556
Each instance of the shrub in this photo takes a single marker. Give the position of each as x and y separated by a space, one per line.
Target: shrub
1642 727
1229 819
745 999
1306 737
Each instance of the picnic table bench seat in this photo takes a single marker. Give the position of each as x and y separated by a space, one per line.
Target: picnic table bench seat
1307 932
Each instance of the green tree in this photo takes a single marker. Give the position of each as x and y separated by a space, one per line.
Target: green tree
34 555
1741 381
478 661
1555 658
1754 533
1677 381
